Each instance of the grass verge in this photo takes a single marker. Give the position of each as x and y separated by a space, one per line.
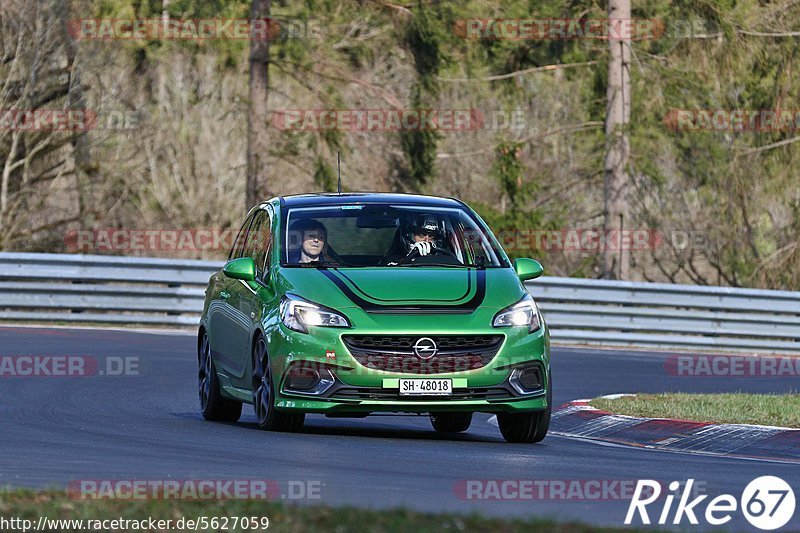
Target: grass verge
30 505
734 408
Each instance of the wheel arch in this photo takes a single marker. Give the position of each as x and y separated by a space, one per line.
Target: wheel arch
257 334
200 332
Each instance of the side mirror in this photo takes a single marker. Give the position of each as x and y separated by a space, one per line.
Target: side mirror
243 268
528 268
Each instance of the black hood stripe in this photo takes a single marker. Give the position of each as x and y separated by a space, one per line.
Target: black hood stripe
354 285
465 307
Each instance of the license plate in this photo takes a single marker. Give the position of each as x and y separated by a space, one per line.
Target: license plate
426 387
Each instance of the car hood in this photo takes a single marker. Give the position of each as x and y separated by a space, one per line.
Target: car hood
405 289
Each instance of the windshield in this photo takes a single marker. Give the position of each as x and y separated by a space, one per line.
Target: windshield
382 235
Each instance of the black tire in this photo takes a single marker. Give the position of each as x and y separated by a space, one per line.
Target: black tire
213 405
527 427
451 422
267 417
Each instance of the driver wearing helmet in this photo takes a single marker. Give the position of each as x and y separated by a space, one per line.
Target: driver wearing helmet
420 235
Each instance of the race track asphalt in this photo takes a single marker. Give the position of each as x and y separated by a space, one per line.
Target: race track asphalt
54 430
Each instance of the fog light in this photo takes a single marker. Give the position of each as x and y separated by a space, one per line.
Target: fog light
314 381
530 378
302 379
527 380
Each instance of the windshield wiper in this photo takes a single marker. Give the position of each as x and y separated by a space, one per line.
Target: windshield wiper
448 265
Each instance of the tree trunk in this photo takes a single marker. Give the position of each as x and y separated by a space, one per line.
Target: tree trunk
616 256
85 165
258 116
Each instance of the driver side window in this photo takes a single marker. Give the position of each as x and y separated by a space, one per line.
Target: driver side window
237 250
258 242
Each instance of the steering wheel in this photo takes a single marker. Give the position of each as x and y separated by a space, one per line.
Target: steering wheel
414 254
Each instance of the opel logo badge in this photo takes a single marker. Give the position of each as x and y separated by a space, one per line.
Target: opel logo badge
425 348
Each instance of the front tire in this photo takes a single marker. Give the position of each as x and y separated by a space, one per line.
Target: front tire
451 422
213 405
527 427
267 417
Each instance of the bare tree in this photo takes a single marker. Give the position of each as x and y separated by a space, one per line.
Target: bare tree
258 116
616 258
85 165
32 159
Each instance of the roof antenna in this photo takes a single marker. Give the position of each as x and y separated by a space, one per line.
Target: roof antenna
339 168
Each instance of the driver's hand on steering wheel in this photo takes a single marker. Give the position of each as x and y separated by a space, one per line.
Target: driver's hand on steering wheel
422 247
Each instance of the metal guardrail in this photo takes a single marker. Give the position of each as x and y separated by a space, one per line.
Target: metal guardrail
589 311
102 289
170 292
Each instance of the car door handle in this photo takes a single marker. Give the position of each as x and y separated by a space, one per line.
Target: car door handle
224 295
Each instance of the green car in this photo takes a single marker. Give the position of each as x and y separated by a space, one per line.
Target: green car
351 304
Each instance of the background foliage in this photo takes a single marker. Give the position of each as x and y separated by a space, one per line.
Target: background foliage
726 213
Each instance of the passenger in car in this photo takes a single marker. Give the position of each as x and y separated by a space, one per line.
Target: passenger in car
309 238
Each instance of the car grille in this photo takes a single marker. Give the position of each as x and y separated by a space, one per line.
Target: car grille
364 393
406 342
394 353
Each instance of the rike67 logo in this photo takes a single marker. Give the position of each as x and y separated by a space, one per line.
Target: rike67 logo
767 503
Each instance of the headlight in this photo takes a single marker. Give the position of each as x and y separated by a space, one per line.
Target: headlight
523 313
298 314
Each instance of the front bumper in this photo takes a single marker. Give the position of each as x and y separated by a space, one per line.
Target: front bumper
343 398
358 389
411 406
